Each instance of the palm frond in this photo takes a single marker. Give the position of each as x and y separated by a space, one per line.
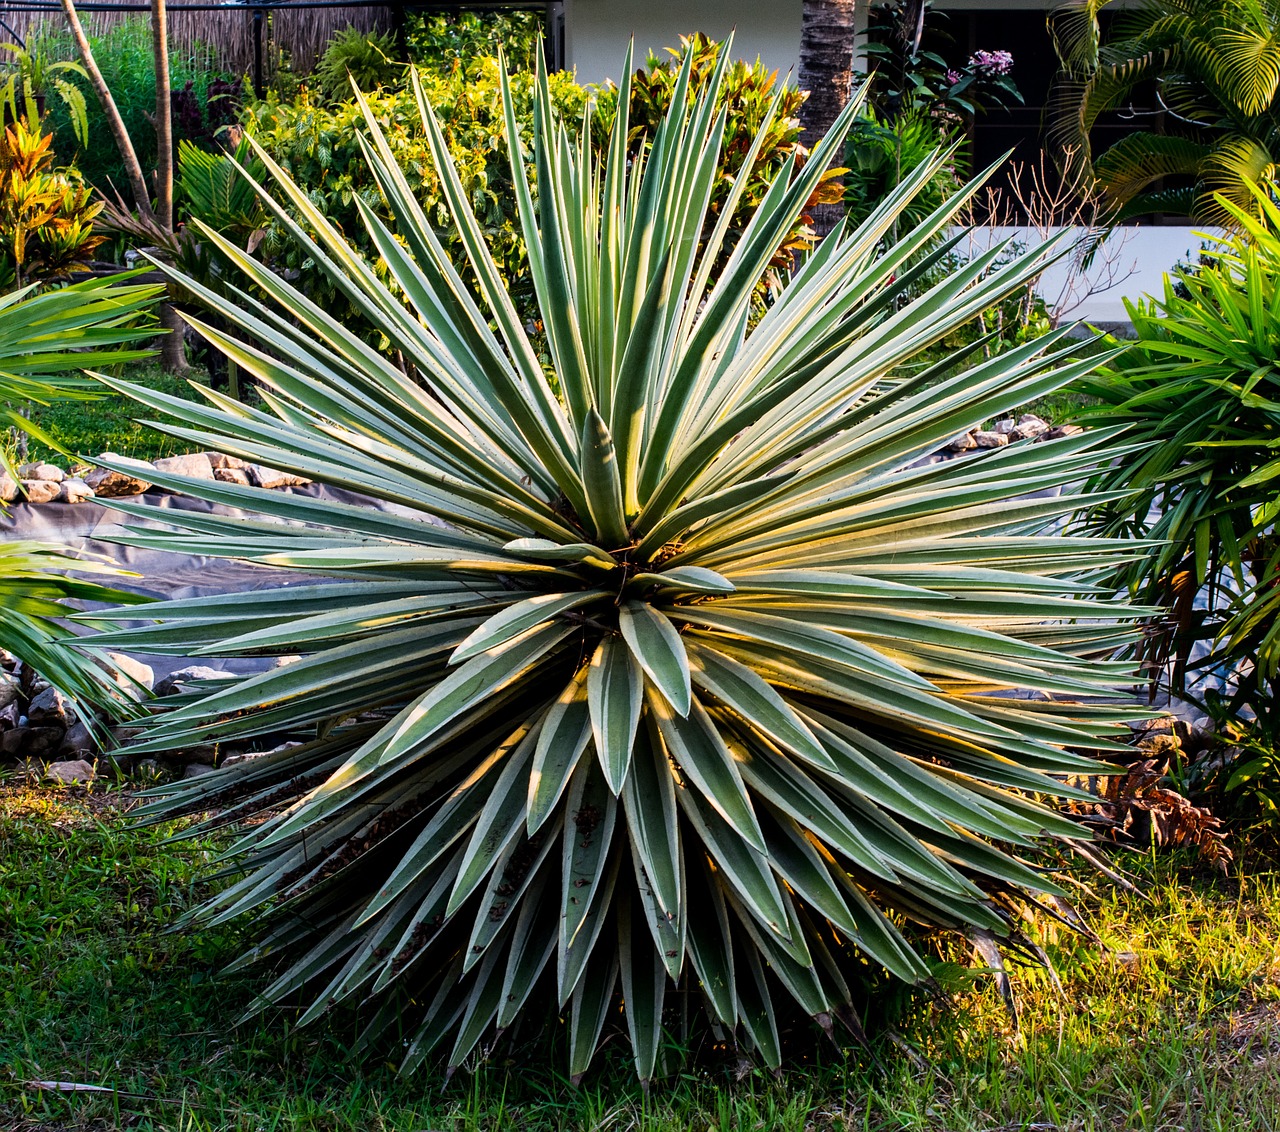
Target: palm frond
46 342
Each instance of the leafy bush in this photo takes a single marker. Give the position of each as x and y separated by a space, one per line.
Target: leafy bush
367 58
124 55
687 679
755 130
911 76
1211 67
448 40
32 75
882 153
46 216
1199 394
43 340
319 148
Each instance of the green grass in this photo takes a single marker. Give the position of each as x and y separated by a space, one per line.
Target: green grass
109 423
1172 1026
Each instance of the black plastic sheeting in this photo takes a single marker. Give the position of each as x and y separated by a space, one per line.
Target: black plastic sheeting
85 530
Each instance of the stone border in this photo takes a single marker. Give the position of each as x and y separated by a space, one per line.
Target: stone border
47 483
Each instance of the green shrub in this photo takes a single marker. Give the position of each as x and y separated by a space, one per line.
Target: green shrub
1209 65
45 341
747 92
318 147
30 76
367 58
882 153
676 689
124 55
1199 395
447 40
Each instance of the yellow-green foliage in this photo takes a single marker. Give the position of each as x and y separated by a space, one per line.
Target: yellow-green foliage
317 145
46 215
746 94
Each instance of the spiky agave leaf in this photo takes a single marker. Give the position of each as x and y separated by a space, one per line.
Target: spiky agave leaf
683 675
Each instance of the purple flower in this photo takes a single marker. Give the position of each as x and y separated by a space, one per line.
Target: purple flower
953 77
991 64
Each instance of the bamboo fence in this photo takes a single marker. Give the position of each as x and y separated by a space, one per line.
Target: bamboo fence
300 33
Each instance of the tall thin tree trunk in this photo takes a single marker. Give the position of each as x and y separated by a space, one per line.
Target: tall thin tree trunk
173 353
827 31
164 115
132 166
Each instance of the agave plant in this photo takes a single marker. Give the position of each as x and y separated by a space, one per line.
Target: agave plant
663 665
45 341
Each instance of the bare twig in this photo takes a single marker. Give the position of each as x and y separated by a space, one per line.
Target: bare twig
1046 198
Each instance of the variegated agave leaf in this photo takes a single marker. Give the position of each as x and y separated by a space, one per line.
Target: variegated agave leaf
672 669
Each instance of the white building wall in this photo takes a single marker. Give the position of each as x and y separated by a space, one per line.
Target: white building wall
597 31
1132 263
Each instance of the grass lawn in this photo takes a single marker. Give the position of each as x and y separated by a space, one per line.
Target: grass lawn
109 423
1174 1025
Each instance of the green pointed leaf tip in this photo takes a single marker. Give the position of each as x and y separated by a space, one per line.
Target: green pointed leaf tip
669 634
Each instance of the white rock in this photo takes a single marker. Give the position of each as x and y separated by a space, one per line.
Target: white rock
41 491
74 770
49 472
1029 427
8 690
8 488
1007 424
220 460
74 490
263 476
963 443
232 475
991 439
195 465
135 678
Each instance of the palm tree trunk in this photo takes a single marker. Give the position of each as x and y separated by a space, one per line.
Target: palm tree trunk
164 115
827 31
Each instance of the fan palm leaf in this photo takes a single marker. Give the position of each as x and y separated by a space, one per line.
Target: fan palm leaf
678 671
1215 69
46 342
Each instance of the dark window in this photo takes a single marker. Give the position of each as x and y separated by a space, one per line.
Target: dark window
1021 128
